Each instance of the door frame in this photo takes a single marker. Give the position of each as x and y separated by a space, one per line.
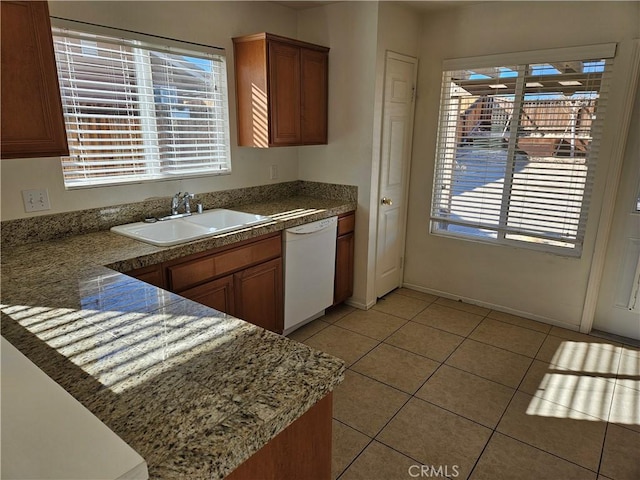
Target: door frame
389 54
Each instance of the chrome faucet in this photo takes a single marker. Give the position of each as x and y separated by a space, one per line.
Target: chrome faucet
185 201
180 200
175 203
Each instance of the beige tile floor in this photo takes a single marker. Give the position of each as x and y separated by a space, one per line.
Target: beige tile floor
440 388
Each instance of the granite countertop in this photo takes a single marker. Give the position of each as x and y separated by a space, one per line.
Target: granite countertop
194 391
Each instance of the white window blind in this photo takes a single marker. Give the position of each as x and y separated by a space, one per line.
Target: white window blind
136 111
516 152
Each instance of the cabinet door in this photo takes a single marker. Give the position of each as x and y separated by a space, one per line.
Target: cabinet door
153 275
284 94
251 91
32 121
216 294
314 90
258 295
343 286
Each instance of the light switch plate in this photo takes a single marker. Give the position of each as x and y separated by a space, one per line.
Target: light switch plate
36 200
273 172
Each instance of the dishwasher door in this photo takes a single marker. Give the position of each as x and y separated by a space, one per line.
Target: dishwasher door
309 270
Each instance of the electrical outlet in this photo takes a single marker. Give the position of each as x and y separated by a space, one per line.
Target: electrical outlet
36 200
273 172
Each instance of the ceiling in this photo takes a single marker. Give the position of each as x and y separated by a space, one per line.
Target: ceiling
302 5
420 5
434 5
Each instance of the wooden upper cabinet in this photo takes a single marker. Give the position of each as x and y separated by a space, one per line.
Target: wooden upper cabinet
284 98
32 121
314 80
281 91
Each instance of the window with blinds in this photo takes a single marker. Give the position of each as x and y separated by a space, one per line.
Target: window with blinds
138 111
517 147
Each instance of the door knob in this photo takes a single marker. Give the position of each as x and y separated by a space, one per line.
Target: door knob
386 201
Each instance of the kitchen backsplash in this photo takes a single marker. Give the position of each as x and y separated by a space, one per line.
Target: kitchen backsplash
60 225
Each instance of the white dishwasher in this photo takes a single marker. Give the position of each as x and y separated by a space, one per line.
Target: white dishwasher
309 269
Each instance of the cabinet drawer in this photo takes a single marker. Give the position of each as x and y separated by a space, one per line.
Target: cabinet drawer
346 224
191 273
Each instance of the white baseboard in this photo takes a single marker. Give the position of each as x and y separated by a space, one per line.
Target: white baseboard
492 306
359 305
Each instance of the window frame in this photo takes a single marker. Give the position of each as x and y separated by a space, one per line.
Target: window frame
158 44
604 51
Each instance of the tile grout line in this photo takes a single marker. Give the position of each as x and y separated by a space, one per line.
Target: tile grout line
376 339
534 446
413 395
606 428
371 440
323 328
430 326
359 453
515 391
468 336
548 334
548 453
515 324
564 406
493 430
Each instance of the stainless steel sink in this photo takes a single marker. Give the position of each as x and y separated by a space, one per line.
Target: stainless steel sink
187 229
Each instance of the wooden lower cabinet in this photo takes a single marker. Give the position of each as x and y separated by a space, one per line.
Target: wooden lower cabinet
300 451
345 247
153 275
246 280
259 295
343 286
218 294
243 280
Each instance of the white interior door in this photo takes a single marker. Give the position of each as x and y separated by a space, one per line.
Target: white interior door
395 156
618 307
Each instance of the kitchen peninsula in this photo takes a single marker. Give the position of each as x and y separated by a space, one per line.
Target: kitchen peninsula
194 391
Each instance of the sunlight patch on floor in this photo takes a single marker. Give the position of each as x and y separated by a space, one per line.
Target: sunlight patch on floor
590 381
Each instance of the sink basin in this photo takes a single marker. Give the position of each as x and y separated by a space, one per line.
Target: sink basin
187 229
222 220
163 234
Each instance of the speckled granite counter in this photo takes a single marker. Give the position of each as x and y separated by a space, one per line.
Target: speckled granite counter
196 392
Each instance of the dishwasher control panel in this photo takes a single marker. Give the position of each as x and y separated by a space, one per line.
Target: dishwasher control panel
314 226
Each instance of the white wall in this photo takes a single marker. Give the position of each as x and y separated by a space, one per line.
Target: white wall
358 33
358 40
350 30
210 23
523 281
539 285
399 32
